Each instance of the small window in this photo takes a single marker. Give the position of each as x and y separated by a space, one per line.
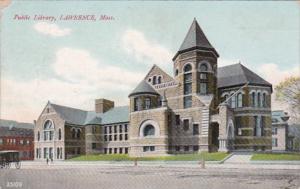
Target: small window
233 101
177 148
105 137
149 80
149 130
186 124
110 129
126 150
126 136
159 79
203 88
93 129
59 134
186 148
240 100
126 128
115 150
187 103
105 130
274 131
110 137
115 129
120 137
120 128
93 145
154 80
115 137
110 150
105 150
38 136
188 68
195 129
78 133
203 68
177 118
121 150
147 103
195 148
176 72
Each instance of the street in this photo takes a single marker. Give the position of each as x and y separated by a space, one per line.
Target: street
150 177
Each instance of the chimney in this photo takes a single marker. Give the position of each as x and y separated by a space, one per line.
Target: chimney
102 105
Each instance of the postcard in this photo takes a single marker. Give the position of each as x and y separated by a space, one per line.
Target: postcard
150 94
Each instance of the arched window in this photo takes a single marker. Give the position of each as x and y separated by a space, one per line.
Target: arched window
253 99
240 100
149 80
48 130
176 72
159 80
187 68
59 134
258 100
78 133
154 80
264 100
203 68
149 130
73 133
187 101
233 101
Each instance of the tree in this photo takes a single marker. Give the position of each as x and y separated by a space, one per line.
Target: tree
288 91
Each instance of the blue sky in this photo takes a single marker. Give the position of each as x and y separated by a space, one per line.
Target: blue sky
73 62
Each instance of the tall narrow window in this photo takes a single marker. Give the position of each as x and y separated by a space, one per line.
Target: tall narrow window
240 100
258 100
203 79
203 88
253 99
78 133
73 133
135 104
177 119
233 101
186 124
154 80
264 100
147 103
59 134
257 129
158 79
187 86
38 136
195 129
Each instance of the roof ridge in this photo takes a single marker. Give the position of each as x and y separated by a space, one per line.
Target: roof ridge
69 107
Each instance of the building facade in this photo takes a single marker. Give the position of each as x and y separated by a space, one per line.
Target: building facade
200 108
17 136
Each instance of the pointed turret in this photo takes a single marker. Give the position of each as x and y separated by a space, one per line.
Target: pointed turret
195 39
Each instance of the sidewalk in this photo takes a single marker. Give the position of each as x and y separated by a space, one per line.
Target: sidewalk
187 164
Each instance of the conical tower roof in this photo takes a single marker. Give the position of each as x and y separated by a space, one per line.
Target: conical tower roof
143 88
195 39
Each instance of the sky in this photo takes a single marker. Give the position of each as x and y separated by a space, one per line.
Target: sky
74 62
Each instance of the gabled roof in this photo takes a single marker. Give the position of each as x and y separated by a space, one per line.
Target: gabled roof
158 69
195 39
82 117
143 88
14 131
71 115
238 74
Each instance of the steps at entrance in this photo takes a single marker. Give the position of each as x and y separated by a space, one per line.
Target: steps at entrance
239 158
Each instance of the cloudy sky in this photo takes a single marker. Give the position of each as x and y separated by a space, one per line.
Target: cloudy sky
74 62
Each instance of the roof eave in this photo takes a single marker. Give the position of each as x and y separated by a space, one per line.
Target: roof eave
196 48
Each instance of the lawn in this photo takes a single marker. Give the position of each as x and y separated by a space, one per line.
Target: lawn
218 156
276 157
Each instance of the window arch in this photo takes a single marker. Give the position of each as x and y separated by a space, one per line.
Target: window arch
187 68
149 130
73 133
59 134
159 80
154 80
48 130
240 100
203 67
78 133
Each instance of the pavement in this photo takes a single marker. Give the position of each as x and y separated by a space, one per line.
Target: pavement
72 175
239 158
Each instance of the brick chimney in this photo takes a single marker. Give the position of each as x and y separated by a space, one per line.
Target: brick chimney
102 105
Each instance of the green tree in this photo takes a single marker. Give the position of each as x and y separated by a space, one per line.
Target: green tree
288 91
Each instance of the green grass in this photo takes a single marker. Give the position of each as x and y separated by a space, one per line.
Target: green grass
122 157
276 157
